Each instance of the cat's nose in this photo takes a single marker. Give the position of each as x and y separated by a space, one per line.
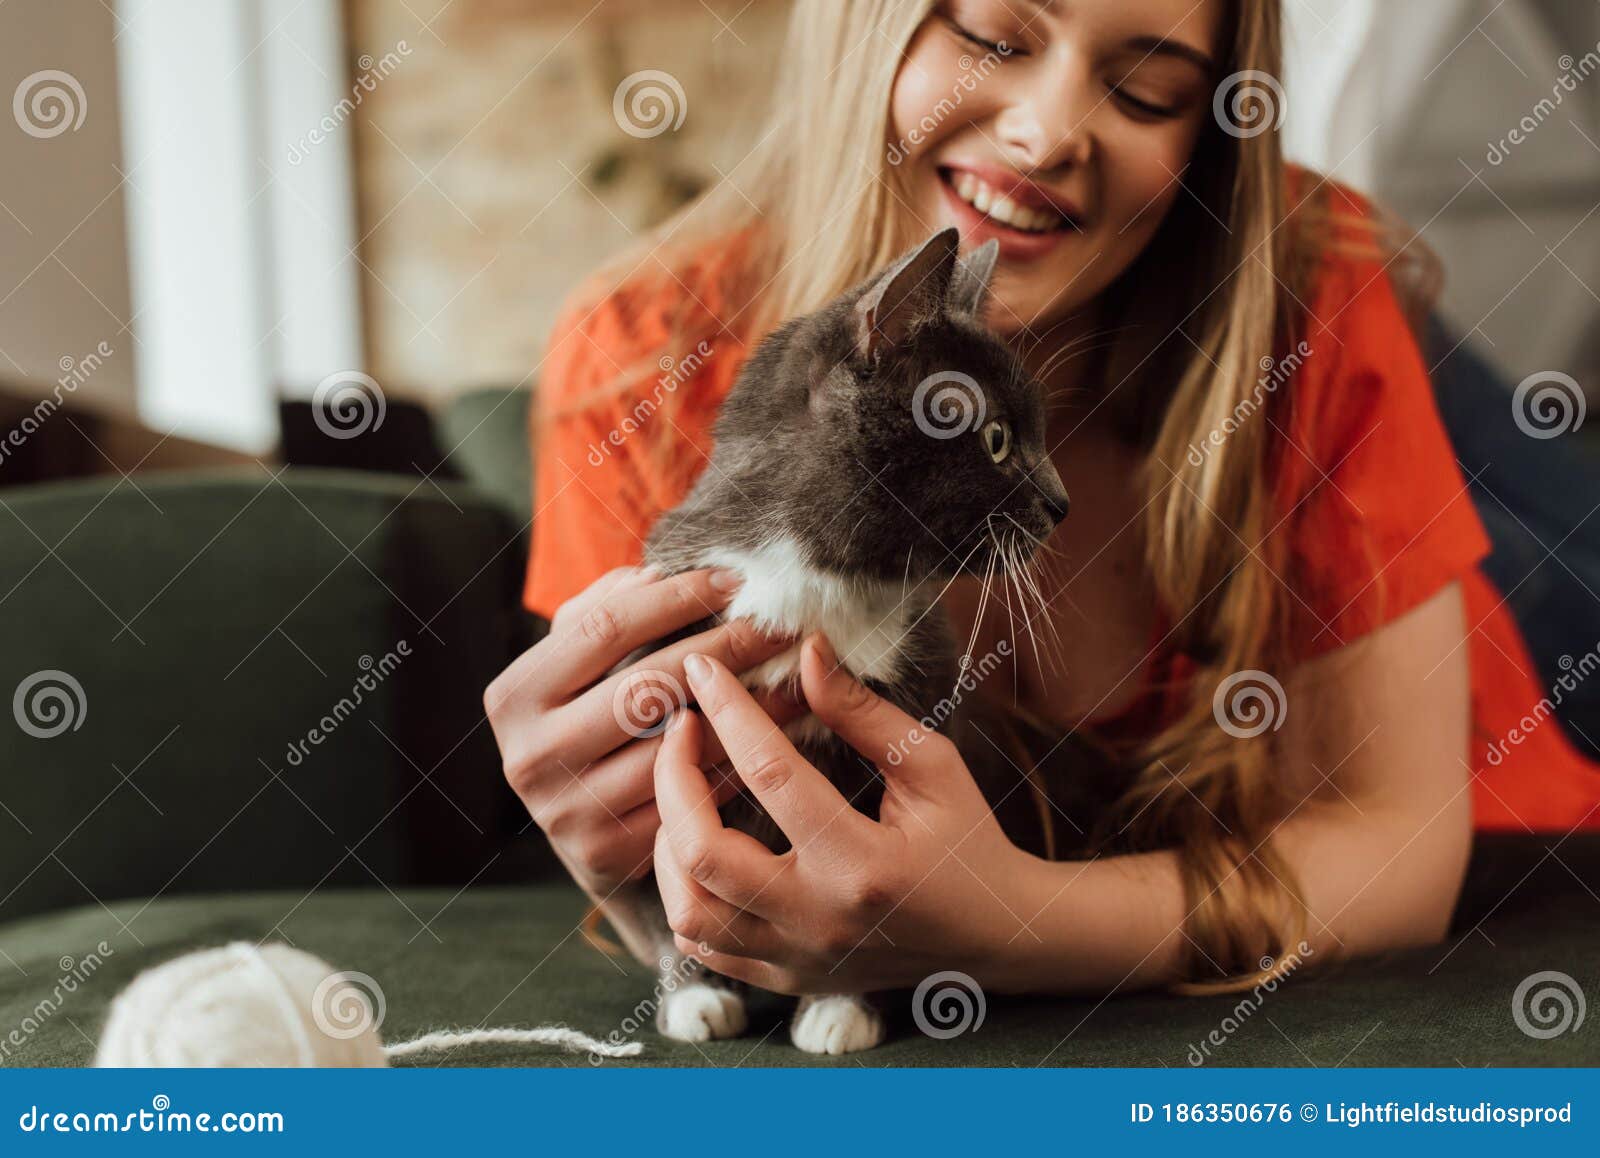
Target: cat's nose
1051 491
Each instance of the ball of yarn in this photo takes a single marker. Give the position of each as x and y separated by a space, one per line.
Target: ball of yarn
243 1005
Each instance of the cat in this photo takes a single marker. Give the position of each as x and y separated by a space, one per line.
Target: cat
868 454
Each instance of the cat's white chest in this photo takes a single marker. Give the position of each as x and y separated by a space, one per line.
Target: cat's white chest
867 623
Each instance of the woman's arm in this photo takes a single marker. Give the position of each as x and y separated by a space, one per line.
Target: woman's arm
1375 745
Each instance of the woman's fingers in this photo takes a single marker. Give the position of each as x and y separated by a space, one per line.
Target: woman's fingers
800 799
753 972
781 707
691 838
617 783
630 615
636 702
601 852
523 683
733 866
613 580
870 724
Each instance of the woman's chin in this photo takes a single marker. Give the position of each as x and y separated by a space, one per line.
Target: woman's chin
1010 317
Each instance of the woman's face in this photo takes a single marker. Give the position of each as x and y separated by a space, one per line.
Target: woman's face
1062 128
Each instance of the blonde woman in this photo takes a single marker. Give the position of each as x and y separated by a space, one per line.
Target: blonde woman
1266 603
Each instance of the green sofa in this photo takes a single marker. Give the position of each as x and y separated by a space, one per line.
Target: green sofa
279 736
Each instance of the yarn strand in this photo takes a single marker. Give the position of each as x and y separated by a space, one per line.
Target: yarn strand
558 1035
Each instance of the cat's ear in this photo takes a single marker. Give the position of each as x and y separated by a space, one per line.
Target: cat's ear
912 290
973 273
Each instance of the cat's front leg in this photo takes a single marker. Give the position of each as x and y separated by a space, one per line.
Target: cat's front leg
691 1003
697 1005
836 1023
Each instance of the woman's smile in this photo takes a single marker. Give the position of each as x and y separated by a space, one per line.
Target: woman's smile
985 201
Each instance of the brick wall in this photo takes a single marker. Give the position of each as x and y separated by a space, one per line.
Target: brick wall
492 173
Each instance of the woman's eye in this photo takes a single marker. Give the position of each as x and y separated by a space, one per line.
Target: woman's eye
1143 108
1001 47
996 437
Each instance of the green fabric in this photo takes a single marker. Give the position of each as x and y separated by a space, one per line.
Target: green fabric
511 956
213 620
484 434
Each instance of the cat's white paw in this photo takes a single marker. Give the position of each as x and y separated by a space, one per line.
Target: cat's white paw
835 1025
701 1013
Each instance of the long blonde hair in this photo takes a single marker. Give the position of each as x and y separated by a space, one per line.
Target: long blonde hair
819 205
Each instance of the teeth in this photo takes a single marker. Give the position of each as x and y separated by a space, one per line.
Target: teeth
990 201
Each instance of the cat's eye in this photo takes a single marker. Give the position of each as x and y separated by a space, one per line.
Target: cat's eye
996 437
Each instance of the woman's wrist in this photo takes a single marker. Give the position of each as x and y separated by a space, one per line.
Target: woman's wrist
1086 926
1008 947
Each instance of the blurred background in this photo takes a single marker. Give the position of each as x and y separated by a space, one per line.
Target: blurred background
208 210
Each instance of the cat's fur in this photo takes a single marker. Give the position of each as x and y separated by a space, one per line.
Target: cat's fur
843 514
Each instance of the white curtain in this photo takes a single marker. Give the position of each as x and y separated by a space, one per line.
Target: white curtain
242 268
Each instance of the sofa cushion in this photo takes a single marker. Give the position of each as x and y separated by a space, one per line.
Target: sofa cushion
513 956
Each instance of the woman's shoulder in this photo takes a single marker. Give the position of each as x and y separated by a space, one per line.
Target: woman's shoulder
625 327
1353 351
1364 282
1374 501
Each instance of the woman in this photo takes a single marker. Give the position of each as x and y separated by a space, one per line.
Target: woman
1263 497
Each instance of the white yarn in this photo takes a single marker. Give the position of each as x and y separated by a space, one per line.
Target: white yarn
570 1039
276 1006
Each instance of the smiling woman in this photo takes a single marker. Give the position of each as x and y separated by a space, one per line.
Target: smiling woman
1158 261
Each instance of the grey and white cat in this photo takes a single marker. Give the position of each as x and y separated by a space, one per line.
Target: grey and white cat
868 454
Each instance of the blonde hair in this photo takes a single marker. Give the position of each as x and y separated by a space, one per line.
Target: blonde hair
817 208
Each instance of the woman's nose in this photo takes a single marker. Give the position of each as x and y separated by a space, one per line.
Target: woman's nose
1047 124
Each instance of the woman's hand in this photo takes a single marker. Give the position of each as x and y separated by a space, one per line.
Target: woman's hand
578 745
856 904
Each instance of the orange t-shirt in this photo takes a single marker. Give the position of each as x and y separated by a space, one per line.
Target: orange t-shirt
1383 522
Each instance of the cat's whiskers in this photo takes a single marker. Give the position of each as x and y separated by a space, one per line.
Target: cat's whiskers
983 603
1012 622
1022 567
1018 575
